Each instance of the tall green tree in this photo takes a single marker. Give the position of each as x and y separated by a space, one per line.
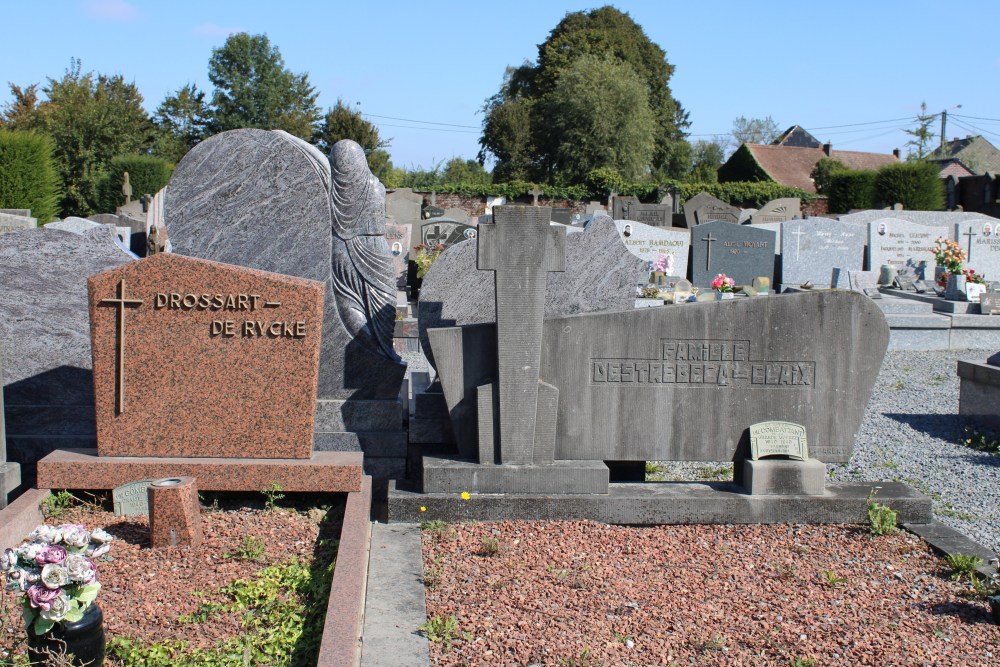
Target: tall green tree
706 158
523 139
457 170
181 121
599 116
21 113
755 130
342 122
922 136
254 89
91 118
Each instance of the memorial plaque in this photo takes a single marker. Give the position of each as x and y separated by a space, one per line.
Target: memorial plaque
664 247
132 499
989 301
742 252
442 231
980 239
398 236
812 248
907 246
195 358
15 223
778 439
402 205
778 210
974 292
703 208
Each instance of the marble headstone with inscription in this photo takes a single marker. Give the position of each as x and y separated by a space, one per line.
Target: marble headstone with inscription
812 248
907 246
742 252
703 208
15 223
305 216
931 218
398 236
980 239
778 210
669 245
600 275
45 338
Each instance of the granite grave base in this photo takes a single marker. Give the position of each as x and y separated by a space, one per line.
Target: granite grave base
324 472
979 394
784 478
451 475
656 503
174 513
373 428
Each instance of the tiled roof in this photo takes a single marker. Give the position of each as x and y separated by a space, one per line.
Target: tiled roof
976 153
954 168
789 165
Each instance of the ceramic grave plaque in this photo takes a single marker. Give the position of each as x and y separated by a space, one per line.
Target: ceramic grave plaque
742 252
132 499
398 238
195 358
777 438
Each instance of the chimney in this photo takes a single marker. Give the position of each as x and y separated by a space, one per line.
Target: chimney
828 148
895 153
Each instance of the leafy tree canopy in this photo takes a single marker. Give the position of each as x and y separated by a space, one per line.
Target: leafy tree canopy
706 158
457 170
522 136
181 121
755 130
254 89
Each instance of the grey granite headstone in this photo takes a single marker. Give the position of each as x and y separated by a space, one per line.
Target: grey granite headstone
630 208
907 246
457 214
402 205
303 215
15 223
398 236
446 232
703 208
687 383
600 275
45 338
812 248
21 212
10 473
932 218
649 243
74 224
980 239
778 210
742 252
132 499
563 215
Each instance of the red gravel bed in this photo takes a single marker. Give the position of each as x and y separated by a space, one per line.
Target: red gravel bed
698 595
144 591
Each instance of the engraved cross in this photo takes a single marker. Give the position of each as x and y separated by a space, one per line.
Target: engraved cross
798 239
970 234
121 303
708 245
436 236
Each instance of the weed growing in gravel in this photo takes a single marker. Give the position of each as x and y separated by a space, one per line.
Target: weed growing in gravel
899 384
582 659
803 661
623 638
981 442
714 643
55 505
434 573
715 473
251 549
581 580
561 575
443 629
963 566
907 368
490 546
947 509
881 519
937 379
654 471
438 530
272 494
831 579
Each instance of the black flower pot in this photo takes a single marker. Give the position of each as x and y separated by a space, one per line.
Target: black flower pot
84 639
995 609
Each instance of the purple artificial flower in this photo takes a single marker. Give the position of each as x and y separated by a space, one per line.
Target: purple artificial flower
42 597
51 553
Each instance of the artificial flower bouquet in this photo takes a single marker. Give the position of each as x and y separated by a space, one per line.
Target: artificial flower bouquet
723 283
54 572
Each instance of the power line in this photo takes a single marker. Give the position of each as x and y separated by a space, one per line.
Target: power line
429 129
874 136
426 122
874 122
995 120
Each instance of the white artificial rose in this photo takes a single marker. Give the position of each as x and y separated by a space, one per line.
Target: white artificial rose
76 536
100 535
79 568
47 534
55 576
57 609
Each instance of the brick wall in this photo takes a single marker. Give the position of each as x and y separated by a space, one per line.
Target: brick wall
476 206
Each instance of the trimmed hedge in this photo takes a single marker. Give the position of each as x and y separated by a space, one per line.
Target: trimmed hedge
851 188
146 175
915 185
28 176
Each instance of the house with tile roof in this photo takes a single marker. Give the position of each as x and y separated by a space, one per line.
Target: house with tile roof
791 165
972 156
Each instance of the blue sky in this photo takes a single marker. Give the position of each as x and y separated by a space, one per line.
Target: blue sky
814 64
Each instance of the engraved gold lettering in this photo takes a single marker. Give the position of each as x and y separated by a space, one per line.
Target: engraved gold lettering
244 302
254 299
175 300
300 329
160 301
189 301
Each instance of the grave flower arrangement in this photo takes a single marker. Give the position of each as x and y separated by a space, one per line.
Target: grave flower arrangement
973 277
54 572
948 254
723 283
664 263
425 257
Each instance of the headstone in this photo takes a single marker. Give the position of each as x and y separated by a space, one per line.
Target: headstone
698 376
74 224
931 218
742 252
131 499
812 248
622 206
980 239
457 214
445 232
600 275
666 245
306 216
398 236
535 193
907 246
594 207
703 208
775 438
778 210
126 188
562 215
20 212
15 223
45 339
10 473
746 215
186 356
402 205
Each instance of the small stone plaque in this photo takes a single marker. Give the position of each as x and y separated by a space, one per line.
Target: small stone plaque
132 499
872 292
989 301
776 438
974 292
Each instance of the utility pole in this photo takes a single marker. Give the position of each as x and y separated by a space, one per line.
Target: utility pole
944 124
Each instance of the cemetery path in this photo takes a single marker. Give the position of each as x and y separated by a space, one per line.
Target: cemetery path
583 593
